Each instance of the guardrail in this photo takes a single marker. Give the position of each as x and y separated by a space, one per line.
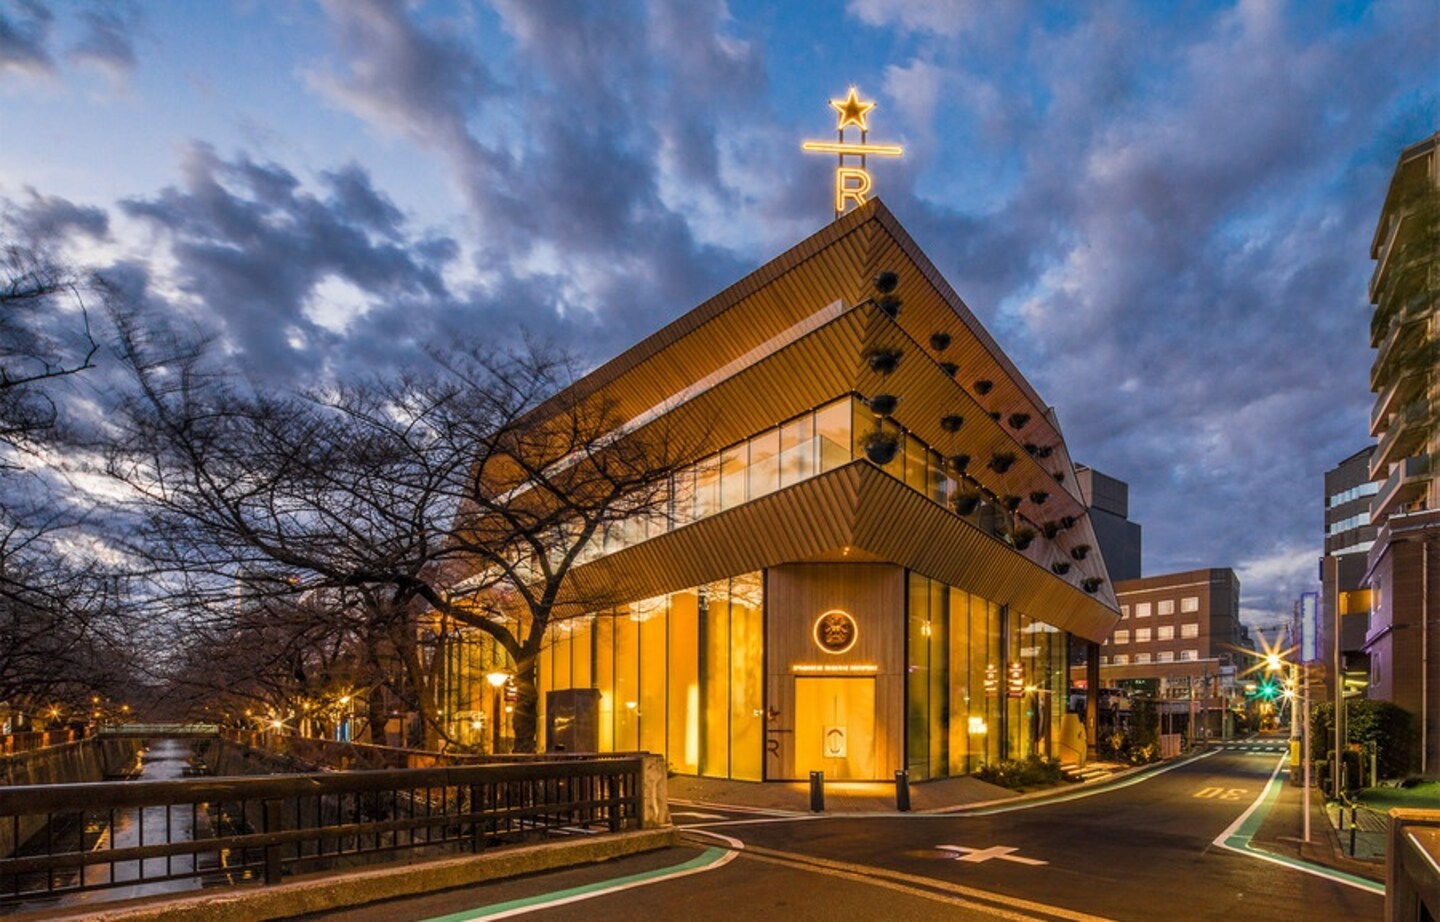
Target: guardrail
12 743
216 831
1412 866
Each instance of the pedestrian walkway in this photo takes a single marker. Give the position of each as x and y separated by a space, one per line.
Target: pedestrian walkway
1362 833
840 796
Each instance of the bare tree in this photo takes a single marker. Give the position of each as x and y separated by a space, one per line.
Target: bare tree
458 499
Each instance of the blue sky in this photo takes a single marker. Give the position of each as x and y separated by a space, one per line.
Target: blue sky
1161 210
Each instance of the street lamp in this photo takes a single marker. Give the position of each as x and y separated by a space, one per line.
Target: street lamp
497 680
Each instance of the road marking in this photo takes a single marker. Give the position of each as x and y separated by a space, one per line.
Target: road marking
698 816
1015 908
1236 838
708 860
1003 852
1218 793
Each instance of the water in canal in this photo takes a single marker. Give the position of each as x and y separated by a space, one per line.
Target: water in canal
164 760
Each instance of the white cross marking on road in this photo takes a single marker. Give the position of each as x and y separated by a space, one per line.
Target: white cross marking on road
1003 852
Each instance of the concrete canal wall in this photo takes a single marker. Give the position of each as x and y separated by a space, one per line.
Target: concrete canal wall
85 760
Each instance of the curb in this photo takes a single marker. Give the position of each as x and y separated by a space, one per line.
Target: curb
252 903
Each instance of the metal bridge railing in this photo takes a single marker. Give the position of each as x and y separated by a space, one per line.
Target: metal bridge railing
217 831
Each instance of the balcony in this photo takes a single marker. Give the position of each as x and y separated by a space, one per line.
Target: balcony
1405 388
1407 432
1406 333
1406 483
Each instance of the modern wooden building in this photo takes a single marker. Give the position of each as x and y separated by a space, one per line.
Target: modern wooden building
877 558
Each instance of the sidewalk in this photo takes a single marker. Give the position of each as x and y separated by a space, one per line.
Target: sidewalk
1282 830
861 796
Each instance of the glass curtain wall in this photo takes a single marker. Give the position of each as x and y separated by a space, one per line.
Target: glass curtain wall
962 710
954 706
679 674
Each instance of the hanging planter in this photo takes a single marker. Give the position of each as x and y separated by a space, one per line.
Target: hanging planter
958 463
1059 476
995 415
1039 497
890 304
1032 449
950 368
882 359
1000 461
1011 503
883 404
1049 530
1018 420
966 502
1080 551
1045 451
1020 538
939 341
1092 583
885 282
983 386
952 423
880 446
1060 567
1067 521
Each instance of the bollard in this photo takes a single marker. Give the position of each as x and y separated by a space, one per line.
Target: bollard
902 791
817 792
1352 832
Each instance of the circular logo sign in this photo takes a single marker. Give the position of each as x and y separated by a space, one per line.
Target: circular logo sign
835 631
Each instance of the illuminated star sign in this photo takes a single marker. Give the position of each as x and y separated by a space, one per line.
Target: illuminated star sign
852 183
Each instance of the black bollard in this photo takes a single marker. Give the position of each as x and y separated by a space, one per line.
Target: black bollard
817 792
902 791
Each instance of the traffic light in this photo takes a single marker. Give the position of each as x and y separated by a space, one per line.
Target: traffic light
1269 690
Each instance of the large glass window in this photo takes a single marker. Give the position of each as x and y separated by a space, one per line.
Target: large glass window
764 464
797 450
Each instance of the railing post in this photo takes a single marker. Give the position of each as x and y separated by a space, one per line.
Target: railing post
612 801
273 853
817 792
477 836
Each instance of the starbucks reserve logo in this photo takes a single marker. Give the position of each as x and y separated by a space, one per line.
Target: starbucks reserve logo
835 631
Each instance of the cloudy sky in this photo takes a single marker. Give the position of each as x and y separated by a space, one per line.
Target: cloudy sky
1161 210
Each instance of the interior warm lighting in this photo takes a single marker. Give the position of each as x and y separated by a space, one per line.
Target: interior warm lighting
835 668
497 679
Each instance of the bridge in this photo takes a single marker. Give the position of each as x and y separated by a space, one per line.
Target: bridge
145 837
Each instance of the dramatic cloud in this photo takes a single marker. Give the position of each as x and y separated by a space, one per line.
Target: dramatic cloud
1161 211
25 27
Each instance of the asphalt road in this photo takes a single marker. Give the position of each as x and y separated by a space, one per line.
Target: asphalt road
1141 851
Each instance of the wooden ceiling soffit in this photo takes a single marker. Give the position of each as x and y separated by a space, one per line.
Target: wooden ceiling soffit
854 506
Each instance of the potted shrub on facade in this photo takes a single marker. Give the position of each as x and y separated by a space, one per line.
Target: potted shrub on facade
952 423
939 341
1018 420
890 304
958 463
1000 461
1011 503
1050 530
950 368
1060 567
1021 537
884 404
983 386
1080 551
1092 583
1038 497
883 359
880 446
965 502
885 282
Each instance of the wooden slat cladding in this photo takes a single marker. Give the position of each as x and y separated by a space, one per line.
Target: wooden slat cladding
874 595
855 506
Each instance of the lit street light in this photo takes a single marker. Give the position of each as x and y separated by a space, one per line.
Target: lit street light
497 681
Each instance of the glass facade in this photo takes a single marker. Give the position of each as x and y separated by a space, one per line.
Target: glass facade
679 674
813 443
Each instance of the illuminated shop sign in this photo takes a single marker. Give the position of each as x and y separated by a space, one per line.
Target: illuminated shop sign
835 631
852 183
835 668
1015 679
